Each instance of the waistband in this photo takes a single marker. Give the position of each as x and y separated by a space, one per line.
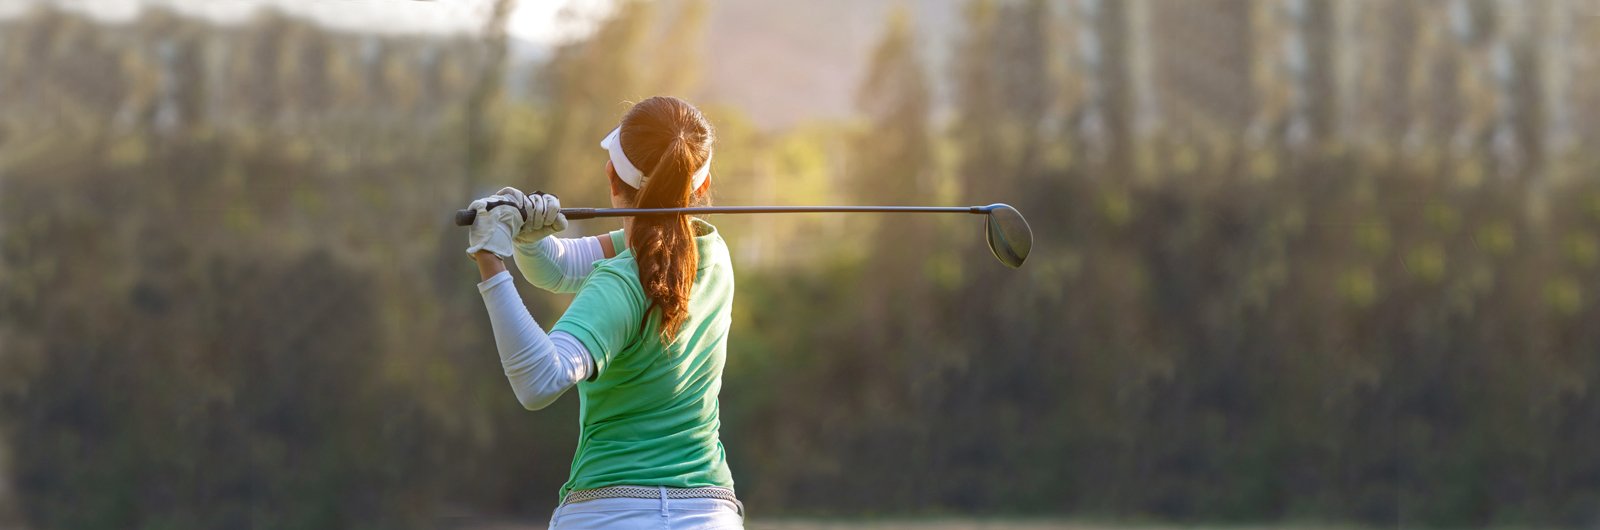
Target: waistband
653 492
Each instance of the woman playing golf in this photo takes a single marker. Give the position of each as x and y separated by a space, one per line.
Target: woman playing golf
645 338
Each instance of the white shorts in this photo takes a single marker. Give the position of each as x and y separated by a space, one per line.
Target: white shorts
663 514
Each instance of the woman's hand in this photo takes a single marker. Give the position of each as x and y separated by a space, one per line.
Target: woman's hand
544 217
494 228
543 214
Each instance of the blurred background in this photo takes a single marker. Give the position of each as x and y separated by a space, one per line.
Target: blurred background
1297 262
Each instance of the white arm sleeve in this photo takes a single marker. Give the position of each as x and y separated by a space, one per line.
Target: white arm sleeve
558 265
540 367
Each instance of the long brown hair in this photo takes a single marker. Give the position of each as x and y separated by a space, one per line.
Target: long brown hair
668 140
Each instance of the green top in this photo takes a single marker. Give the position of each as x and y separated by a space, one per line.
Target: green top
649 415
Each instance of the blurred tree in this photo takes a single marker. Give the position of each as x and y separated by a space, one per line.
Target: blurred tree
1313 61
893 163
895 151
486 93
592 79
482 103
1109 119
255 85
1006 91
677 56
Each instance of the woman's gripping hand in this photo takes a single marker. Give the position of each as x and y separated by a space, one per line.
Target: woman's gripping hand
544 215
500 218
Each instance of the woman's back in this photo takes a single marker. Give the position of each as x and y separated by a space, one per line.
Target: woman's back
650 415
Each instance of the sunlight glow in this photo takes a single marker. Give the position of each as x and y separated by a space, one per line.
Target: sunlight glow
544 22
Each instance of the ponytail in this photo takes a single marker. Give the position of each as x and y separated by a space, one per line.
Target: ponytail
664 245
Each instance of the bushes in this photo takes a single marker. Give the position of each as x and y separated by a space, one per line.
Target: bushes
190 380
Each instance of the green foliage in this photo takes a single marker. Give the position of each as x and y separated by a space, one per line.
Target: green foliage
1230 349
181 375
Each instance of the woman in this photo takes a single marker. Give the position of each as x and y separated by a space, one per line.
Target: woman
644 340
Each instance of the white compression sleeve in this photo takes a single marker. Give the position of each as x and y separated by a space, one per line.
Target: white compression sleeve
558 265
540 367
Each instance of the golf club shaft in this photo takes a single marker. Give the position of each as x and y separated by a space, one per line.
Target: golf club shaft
465 217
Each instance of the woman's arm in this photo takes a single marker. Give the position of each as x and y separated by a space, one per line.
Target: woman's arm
539 367
560 265
488 264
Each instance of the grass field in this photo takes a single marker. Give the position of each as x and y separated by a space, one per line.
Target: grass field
951 524
971 524
914 525
921 525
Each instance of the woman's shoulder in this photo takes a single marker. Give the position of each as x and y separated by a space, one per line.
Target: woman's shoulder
614 279
622 264
709 243
622 258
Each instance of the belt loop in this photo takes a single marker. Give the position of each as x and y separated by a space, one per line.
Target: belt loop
663 500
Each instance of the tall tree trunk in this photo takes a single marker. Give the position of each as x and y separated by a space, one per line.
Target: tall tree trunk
10 513
486 93
481 139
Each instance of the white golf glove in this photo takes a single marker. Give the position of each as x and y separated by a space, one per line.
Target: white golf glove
544 217
495 227
517 195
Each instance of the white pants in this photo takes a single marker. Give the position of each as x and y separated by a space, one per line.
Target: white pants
662 513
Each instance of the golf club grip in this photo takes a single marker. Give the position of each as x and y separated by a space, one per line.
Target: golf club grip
467 216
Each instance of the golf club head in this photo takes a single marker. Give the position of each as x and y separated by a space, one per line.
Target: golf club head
1010 238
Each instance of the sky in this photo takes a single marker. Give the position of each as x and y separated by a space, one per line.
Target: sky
782 61
538 21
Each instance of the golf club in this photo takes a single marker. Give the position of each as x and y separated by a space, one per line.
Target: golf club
1009 237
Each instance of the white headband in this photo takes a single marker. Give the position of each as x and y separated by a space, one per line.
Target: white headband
631 174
